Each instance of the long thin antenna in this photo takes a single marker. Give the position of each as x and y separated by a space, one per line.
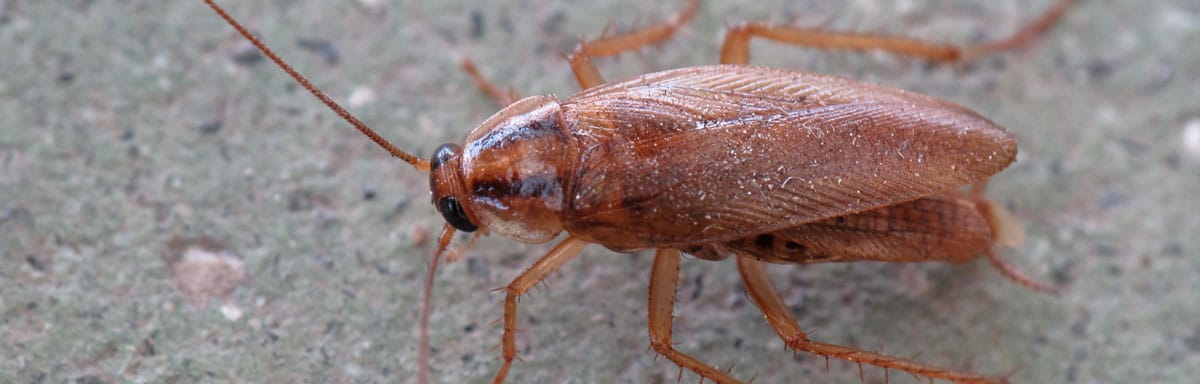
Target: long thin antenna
418 163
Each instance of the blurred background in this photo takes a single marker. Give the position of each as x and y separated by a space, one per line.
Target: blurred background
175 209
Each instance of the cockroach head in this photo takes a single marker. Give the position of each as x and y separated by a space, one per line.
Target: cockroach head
445 182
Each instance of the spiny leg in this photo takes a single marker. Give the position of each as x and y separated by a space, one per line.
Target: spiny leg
563 252
762 292
736 49
504 98
581 58
664 277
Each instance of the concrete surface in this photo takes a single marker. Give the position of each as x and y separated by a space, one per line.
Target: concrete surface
168 214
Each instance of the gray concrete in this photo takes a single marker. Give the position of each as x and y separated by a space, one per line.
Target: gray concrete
126 131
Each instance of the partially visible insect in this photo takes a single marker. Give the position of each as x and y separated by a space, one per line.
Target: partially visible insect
767 165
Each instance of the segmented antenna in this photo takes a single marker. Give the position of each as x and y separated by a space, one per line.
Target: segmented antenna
418 163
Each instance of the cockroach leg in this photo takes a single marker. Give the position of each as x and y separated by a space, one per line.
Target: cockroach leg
503 98
563 252
736 49
1005 232
1027 33
454 255
664 277
762 292
581 58
1012 273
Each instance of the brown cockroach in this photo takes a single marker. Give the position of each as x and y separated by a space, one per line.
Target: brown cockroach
767 165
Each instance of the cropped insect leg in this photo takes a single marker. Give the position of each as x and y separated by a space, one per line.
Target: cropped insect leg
504 98
581 58
736 49
664 277
759 287
563 252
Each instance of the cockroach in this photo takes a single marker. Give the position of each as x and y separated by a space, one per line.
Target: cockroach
765 165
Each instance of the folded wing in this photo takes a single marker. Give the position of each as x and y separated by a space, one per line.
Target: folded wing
711 154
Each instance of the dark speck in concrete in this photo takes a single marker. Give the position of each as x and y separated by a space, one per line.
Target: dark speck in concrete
322 47
1192 341
210 127
244 53
477 26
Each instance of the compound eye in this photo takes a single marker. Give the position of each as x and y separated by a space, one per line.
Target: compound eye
454 214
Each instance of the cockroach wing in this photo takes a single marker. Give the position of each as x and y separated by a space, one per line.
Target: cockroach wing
716 153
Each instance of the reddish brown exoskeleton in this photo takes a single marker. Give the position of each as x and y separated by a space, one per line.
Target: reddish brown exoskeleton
763 164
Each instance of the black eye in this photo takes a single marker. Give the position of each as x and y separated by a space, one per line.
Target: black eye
453 213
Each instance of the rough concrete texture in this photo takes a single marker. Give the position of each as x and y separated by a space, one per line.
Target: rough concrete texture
135 149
